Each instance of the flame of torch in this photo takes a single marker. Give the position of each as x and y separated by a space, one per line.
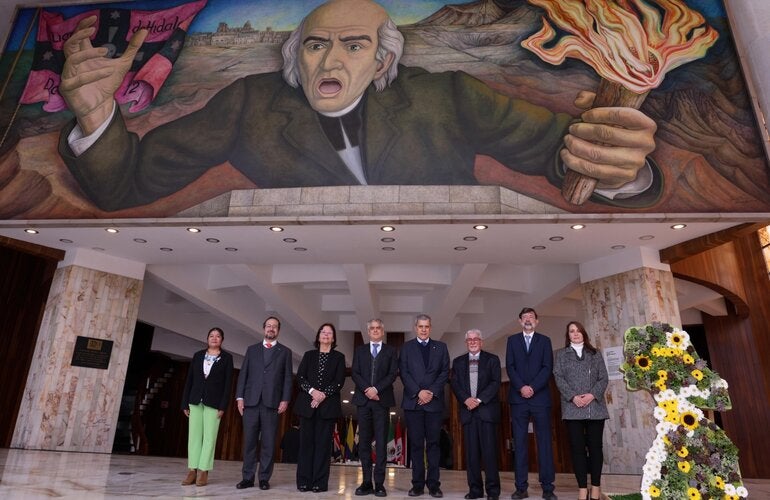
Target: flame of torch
631 45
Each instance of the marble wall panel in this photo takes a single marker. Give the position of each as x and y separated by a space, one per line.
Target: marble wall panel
70 407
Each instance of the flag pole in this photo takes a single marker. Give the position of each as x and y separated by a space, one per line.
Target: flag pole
10 74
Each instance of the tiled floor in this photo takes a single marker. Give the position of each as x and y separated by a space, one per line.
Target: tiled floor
27 474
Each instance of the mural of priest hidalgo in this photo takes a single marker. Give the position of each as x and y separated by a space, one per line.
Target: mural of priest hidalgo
342 112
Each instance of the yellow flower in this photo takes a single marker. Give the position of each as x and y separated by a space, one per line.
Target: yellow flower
661 384
655 351
663 374
684 466
666 440
697 374
689 420
682 452
643 362
693 494
731 497
676 339
688 360
654 491
719 482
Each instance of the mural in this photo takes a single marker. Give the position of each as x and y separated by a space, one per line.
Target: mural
486 92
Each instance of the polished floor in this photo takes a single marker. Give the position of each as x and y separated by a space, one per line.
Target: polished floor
27 474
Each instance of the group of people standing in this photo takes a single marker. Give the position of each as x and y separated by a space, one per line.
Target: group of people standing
264 389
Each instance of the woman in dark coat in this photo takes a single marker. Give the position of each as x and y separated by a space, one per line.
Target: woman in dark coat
204 401
582 379
320 376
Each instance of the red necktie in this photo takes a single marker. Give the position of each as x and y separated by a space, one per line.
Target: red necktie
268 345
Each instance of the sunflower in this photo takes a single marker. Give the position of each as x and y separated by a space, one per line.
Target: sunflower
662 374
731 497
719 482
687 359
684 466
697 374
676 339
689 420
643 362
654 491
682 452
693 494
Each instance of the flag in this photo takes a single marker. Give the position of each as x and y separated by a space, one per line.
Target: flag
391 447
113 29
399 442
349 441
355 444
336 445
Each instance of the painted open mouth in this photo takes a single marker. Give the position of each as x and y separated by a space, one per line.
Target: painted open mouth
329 86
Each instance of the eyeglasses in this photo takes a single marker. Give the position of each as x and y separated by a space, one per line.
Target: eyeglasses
472 340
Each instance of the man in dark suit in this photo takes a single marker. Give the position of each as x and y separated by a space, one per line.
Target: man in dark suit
343 112
475 382
424 366
374 370
263 392
529 363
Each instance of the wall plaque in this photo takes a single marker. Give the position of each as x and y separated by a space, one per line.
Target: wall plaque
92 353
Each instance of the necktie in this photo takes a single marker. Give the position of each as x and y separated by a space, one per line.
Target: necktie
375 349
268 345
529 341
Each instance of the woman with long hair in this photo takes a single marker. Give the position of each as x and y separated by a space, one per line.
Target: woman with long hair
582 380
204 401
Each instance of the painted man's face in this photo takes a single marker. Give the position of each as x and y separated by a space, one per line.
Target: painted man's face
337 55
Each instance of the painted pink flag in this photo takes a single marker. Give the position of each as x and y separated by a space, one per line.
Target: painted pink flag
166 28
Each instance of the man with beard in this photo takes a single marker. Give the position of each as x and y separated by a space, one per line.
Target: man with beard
263 392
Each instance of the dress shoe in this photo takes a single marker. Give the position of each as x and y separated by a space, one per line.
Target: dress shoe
364 489
471 495
318 489
246 483
190 478
436 493
379 491
415 492
303 488
519 494
549 495
493 497
203 478
264 485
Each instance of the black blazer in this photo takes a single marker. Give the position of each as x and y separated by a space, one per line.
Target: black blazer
385 369
261 382
331 385
487 389
416 376
213 391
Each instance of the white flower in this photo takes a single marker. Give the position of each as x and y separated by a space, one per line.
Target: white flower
742 492
729 489
659 413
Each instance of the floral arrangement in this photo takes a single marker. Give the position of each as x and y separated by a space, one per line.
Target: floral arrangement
691 457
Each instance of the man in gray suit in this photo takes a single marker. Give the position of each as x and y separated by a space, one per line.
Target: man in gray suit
263 392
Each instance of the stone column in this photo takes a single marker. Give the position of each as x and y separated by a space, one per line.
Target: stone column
613 303
73 408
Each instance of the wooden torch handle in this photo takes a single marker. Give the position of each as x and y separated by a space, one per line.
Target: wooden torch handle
577 188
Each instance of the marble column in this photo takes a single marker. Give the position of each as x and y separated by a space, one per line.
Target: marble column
73 408
612 305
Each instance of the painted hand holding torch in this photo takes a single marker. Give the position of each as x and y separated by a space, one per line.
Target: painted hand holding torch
631 44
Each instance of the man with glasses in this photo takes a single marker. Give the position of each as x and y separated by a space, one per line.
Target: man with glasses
475 382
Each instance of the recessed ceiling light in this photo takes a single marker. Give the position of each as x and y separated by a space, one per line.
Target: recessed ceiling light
678 226
480 227
470 238
388 249
166 249
65 240
140 240
31 231
193 230
231 249
618 247
276 229
538 247
647 237
112 230
392 413
387 240
352 392
387 229
577 226
212 240
345 401
461 249
556 238
300 249
290 240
